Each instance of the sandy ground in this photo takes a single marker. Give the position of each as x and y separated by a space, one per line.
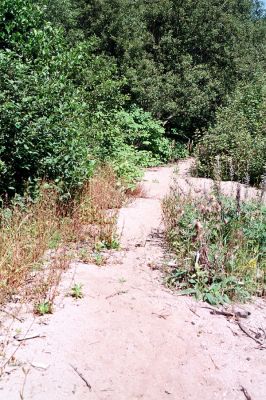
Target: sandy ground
130 338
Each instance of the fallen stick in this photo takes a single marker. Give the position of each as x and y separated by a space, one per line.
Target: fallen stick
163 316
81 376
225 313
21 393
233 332
116 294
219 312
237 314
216 366
194 312
246 394
28 337
243 329
97 341
11 315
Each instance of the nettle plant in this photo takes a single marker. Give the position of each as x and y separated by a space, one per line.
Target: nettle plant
219 247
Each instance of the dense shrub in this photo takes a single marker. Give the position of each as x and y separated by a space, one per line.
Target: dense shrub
49 95
145 133
181 58
71 73
40 128
218 246
235 147
29 228
130 139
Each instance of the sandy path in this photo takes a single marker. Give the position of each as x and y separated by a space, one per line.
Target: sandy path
130 337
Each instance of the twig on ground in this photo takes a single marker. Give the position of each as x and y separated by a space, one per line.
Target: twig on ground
28 337
137 288
246 394
21 393
216 367
116 294
235 314
81 376
243 329
233 332
219 312
194 312
11 315
163 316
97 341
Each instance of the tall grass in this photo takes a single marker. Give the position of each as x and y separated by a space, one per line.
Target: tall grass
29 230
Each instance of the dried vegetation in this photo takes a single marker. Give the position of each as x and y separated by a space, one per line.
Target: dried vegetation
39 238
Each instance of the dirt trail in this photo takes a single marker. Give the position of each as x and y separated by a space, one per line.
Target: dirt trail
129 337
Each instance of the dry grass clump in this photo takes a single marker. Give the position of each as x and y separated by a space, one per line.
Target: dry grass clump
96 208
28 231
137 192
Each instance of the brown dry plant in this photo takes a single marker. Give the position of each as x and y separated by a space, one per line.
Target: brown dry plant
35 239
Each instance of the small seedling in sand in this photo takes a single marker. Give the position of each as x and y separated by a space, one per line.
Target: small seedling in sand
112 244
44 307
98 258
76 291
84 255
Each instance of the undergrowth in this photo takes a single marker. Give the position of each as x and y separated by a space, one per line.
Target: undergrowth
219 246
38 236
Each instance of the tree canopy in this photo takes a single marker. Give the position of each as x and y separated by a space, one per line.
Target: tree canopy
86 81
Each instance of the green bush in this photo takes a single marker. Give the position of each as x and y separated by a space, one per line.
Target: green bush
49 96
41 125
131 140
235 147
218 246
181 58
147 134
71 73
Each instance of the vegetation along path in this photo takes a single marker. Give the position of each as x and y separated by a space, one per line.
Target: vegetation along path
130 337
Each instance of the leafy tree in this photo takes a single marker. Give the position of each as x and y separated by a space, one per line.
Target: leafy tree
235 146
49 95
86 81
181 58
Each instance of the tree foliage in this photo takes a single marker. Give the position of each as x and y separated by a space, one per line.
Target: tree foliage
86 81
181 58
49 95
235 146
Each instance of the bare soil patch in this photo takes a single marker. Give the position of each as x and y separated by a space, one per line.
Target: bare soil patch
129 337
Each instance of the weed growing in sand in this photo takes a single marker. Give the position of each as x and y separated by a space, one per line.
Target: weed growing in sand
111 243
219 247
76 291
98 259
84 255
44 307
